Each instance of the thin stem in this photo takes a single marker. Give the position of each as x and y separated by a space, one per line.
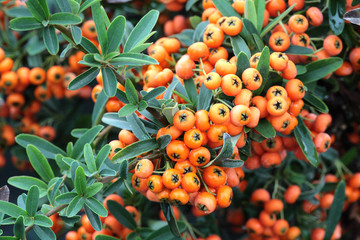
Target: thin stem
203 182
276 186
223 102
103 133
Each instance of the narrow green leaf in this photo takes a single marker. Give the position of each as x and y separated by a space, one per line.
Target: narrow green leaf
100 26
84 79
319 69
96 206
121 214
250 12
127 110
231 163
199 31
77 34
39 163
109 82
64 5
135 149
45 8
189 4
141 30
11 209
44 233
258 42
86 4
303 137
64 18
99 108
274 22
298 50
88 45
165 232
19 228
242 63
65 198
170 218
154 93
312 100
102 155
239 45
32 201
25 183
17 12
190 88
37 12
115 33
105 237
75 206
260 9
265 128
47 148
80 181
263 68
93 218
131 93
88 137
89 158
51 40
93 189
43 221
133 59
25 24
335 209
205 96
226 151
225 8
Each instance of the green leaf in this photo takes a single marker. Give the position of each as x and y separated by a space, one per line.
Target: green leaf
133 59
24 24
43 221
88 137
199 31
93 218
250 12
191 91
77 34
349 156
131 93
115 33
205 96
303 137
164 140
25 183
121 95
89 158
260 9
32 201
80 181
225 8
265 128
127 110
84 79
96 206
93 189
44 233
17 12
154 93
100 26
37 12
319 69
185 37
141 30
65 198
189 4
109 81
19 228
226 151
65 51
39 163
170 218
274 22
263 68
165 232
135 149
102 155
299 50
121 214
99 108
239 45
64 5
86 4
64 18
258 42
335 209
51 40
44 7
75 206
312 100
242 63
231 163
89 46
336 13
75 6
142 105
105 237
137 127
11 209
